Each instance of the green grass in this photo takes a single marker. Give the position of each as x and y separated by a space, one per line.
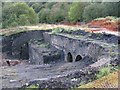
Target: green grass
57 30
32 87
103 72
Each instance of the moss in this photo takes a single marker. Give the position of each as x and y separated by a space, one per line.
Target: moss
44 45
57 30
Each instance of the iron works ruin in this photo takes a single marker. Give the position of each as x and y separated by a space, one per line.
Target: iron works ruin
81 53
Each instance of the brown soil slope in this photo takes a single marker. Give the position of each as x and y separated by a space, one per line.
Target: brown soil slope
109 81
110 23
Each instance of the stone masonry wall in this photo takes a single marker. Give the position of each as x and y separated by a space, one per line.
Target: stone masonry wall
75 47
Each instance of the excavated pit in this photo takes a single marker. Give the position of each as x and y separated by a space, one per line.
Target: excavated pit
58 60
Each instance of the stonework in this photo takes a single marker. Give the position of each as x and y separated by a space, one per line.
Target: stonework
81 53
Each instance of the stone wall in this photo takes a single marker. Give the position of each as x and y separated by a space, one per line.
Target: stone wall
75 46
71 48
44 55
16 45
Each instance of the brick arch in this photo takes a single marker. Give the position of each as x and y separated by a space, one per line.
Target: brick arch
69 57
78 58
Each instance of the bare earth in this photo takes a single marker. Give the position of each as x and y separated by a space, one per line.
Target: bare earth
16 76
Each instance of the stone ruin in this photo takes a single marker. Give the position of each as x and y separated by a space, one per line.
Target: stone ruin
44 47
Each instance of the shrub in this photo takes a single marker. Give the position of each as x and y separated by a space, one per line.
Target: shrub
103 72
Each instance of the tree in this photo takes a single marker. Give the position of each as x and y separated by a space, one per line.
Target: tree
93 11
37 7
23 18
18 13
76 11
96 10
49 4
53 12
59 12
112 8
44 15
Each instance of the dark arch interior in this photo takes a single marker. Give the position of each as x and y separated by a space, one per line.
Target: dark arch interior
78 58
24 51
69 57
118 41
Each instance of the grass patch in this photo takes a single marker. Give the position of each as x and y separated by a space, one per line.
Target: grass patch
103 72
111 80
57 30
44 45
39 43
32 87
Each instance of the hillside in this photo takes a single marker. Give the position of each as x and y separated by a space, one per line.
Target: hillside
109 81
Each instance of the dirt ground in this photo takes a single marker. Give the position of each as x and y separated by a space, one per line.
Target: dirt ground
19 75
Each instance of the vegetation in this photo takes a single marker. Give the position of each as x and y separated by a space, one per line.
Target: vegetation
40 43
106 77
103 72
76 11
93 11
15 14
109 81
32 87
53 14
29 13
44 15
96 10
57 30
107 70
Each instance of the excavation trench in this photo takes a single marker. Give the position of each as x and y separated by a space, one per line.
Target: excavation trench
62 74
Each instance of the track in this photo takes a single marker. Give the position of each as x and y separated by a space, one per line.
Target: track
17 76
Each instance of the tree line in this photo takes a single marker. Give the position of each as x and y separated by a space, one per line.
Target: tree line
28 13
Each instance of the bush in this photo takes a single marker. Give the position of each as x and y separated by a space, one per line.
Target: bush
103 72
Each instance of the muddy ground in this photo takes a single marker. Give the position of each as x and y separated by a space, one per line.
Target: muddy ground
19 75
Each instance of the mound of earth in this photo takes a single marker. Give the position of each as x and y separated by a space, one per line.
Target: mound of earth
110 23
109 81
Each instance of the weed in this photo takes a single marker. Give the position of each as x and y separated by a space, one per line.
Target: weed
103 72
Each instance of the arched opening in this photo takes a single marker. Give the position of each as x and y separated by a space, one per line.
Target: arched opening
78 58
69 57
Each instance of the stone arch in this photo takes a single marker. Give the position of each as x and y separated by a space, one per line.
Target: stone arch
78 58
69 57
